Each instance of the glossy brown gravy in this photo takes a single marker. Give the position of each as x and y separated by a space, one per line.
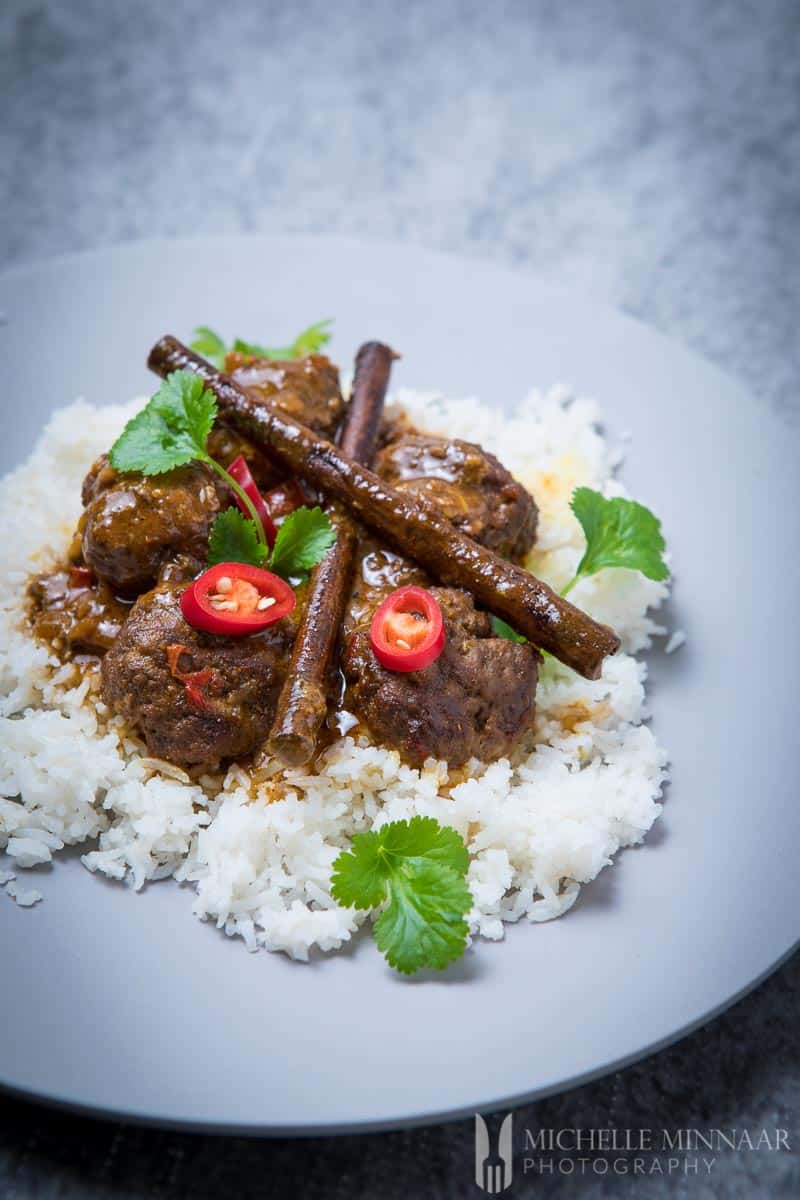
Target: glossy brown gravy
73 613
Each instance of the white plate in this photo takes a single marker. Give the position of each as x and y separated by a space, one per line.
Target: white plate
127 1005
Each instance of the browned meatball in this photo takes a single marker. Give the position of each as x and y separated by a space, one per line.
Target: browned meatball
135 524
378 572
304 388
194 697
474 701
468 485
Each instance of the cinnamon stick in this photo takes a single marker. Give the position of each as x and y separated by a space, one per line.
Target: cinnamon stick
303 702
411 524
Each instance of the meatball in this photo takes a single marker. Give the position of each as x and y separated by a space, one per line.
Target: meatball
474 701
195 697
468 485
134 524
378 572
305 388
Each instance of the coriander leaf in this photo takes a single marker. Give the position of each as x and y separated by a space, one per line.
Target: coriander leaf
310 341
252 348
359 875
171 429
210 345
186 404
424 924
619 533
303 540
424 837
502 629
234 539
420 867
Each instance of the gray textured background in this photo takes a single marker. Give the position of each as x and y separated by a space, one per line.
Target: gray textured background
645 153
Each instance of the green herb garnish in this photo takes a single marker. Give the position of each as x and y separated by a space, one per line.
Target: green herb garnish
502 629
213 347
303 539
171 431
234 539
310 341
210 345
619 533
420 868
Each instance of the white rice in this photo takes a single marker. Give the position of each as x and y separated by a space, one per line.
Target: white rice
259 849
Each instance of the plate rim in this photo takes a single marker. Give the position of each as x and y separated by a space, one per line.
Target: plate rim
434 1115
423 1119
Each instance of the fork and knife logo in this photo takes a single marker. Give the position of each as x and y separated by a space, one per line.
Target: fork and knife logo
494 1169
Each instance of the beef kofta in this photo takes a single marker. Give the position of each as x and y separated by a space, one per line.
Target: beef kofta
304 388
468 485
473 701
195 697
135 524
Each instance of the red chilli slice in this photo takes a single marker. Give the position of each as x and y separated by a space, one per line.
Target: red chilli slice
407 632
193 681
285 498
235 599
81 577
240 471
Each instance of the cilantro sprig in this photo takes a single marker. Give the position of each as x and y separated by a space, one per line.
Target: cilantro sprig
171 431
208 343
502 629
234 539
304 537
619 533
417 869
303 540
213 347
